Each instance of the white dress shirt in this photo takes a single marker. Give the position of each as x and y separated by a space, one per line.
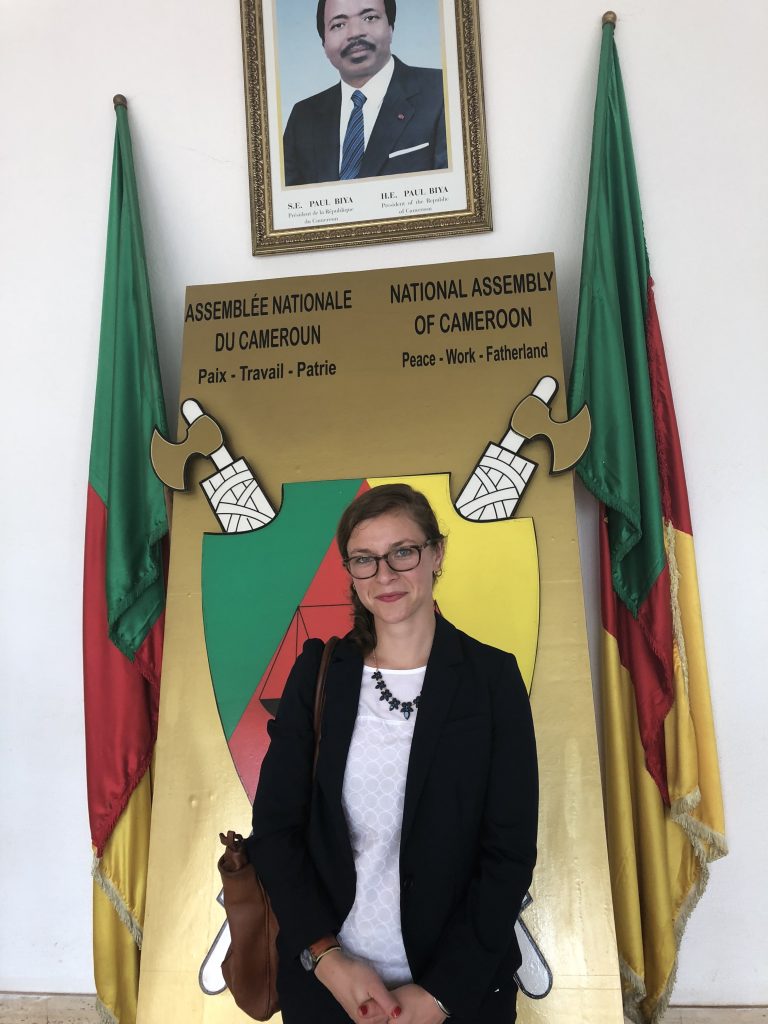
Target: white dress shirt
372 797
374 90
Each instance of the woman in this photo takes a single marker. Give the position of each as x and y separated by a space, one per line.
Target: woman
397 876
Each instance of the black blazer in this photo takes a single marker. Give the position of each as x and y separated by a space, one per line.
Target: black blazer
412 114
468 843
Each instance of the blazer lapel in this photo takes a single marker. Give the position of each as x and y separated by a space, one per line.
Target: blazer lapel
395 114
440 684
341 699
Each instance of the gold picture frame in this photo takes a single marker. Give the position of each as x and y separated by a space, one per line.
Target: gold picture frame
284 59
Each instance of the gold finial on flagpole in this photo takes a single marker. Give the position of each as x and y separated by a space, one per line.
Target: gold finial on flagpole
609 18
120 101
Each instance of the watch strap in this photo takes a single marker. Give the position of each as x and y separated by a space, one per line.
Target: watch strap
331 949
324 945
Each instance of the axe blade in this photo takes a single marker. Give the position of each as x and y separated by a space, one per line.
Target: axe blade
568 439
170 460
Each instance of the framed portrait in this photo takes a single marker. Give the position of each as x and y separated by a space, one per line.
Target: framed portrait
365 121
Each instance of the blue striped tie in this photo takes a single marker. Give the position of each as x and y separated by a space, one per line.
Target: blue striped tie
354 140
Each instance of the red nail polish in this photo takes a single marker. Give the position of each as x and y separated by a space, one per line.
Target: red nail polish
364 1010
396 1012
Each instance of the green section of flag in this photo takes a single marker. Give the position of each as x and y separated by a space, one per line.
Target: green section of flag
129 405
610 363
253 583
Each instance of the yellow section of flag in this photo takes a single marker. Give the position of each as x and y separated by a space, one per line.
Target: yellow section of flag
659 856
119 893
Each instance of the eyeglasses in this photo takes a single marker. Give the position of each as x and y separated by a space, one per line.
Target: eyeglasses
402 559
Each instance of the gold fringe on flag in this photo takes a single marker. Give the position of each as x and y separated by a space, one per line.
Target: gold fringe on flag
660 857
117 901
119 891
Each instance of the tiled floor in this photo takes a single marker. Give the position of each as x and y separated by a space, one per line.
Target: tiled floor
716 1015
53 1009
29 1009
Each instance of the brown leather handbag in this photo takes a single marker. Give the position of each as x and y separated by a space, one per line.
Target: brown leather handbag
250 965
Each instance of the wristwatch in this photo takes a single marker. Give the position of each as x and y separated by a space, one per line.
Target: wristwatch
312 955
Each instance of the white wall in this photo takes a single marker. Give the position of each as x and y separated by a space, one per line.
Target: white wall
696 79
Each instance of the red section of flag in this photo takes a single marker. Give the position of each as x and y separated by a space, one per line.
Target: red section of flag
651 637
654 694
324 611
646 643
674 493
121 697
645 648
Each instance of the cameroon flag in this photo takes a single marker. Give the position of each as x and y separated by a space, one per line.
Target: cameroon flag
123 596
664 812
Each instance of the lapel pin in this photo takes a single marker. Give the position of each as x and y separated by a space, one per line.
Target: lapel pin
401 117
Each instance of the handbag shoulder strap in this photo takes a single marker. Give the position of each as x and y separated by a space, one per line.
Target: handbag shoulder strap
322 675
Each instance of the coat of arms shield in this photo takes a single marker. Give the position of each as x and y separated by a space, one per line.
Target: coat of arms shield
266 591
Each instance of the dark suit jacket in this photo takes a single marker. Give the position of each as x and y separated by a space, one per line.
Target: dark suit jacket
468 842
413 112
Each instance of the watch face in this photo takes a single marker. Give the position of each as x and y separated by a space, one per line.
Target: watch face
307 960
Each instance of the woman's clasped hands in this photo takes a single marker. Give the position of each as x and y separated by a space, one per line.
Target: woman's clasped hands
417 1006
356 986
367 1000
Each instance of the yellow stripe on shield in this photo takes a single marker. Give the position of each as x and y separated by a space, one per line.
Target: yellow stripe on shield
490 583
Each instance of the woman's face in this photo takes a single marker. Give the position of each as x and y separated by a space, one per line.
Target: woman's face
391 596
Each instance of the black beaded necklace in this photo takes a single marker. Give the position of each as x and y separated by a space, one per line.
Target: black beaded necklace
405 707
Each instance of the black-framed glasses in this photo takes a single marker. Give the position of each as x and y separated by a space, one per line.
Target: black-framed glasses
400 559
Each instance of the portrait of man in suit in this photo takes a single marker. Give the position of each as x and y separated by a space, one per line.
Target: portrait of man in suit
383 117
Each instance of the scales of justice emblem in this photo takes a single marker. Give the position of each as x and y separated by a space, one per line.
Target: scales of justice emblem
293 549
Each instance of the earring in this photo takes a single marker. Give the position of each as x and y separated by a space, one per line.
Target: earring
437 574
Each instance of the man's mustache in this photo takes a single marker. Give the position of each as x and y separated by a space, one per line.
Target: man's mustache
357 44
